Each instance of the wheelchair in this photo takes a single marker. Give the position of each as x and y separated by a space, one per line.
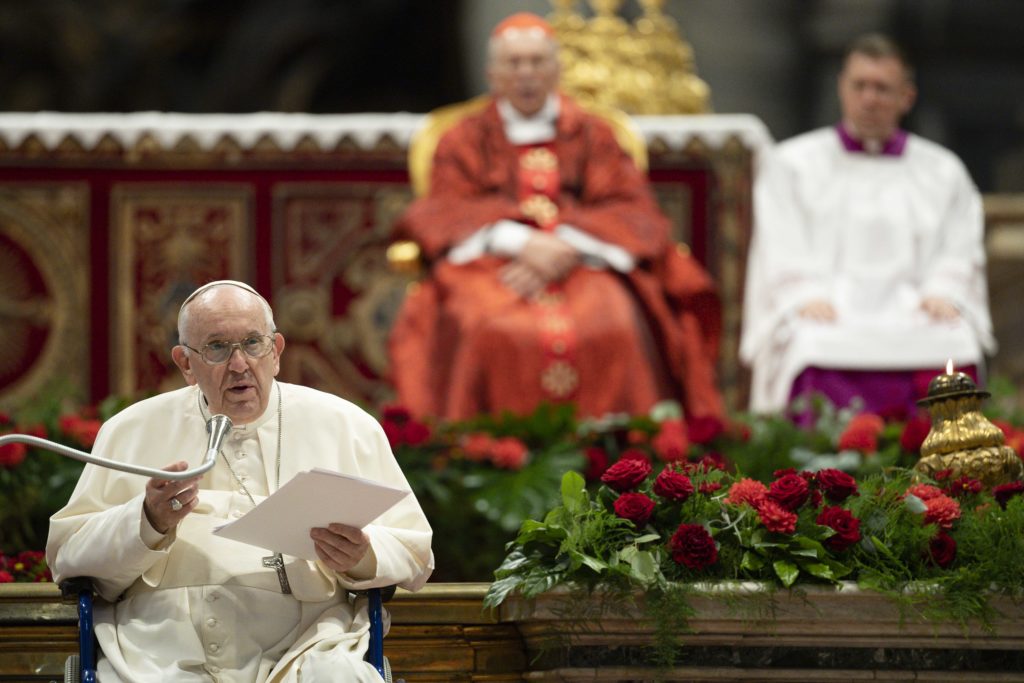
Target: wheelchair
81 668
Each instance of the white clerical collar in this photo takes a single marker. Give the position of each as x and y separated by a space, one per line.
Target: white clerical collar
530 130
249 427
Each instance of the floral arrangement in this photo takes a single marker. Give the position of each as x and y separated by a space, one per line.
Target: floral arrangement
659 520
35 483
28 566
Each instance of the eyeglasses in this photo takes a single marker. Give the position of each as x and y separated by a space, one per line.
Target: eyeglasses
218 352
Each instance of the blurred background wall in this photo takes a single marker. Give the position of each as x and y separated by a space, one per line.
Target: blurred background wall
776 59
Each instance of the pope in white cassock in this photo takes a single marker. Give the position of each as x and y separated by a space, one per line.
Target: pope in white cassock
185 605
867 257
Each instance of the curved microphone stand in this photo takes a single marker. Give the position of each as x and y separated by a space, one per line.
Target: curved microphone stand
217 426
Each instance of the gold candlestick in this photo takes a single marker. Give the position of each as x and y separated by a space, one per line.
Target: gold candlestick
962 440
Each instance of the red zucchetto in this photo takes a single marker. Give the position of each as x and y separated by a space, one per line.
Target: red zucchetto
522 23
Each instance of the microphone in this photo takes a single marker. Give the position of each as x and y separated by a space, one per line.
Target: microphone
218 426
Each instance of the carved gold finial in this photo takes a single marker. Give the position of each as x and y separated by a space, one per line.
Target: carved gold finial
643 69
962 440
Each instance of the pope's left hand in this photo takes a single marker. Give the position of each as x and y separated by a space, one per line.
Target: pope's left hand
340 547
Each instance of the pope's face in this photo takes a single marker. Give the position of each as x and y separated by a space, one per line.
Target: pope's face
524 70
874 94
240 387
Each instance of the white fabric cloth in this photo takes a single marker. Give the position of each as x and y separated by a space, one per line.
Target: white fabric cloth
873 235
197 607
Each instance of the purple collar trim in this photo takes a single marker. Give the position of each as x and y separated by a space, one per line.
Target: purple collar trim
893 147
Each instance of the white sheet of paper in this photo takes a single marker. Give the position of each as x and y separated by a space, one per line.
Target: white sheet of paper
315 498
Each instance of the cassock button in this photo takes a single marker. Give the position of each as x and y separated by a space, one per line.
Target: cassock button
211 597
211 622
236 513
213 648
214 669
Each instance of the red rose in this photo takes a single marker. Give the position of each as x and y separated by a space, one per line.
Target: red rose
941 510
393 431
626 474
846 526
672 485
634 454
597 463
1004 492
704 429
12 454
671 442
709 487
509 453
636 507
790 491
942 549
914 433
692 545
414 433
711 461
775 517
836 485
5 577
396 413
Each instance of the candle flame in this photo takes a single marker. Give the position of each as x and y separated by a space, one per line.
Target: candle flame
949 366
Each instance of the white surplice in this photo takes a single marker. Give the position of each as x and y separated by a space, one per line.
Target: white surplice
872 234
191 606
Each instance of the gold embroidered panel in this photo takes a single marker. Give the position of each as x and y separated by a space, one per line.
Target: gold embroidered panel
334 296
44 290
165 240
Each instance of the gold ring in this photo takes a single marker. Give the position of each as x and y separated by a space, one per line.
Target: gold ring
176 504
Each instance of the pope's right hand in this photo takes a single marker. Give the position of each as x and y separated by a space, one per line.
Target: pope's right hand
818 310
168 501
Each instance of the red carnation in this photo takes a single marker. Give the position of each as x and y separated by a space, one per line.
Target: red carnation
836 485
941 510
672 485
81 430
509 453
5 577
925 491
704 429
861 434
692 545
415 433
636 507
790 491
626 474
1004 492
846 526
964 486
749 491
671 443
476 447
775 517
942 549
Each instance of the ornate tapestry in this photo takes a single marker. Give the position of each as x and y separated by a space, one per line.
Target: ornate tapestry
333 294
166 240
44 290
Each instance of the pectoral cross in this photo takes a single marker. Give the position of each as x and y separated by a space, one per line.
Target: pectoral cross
276 562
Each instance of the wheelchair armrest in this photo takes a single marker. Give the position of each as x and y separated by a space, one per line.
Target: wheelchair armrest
71 588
